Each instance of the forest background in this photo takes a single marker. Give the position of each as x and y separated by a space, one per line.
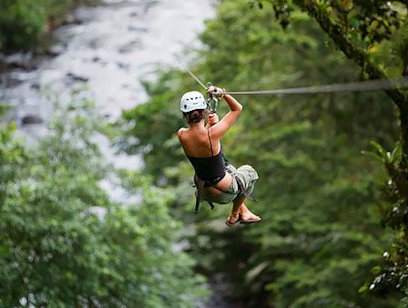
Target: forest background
333 202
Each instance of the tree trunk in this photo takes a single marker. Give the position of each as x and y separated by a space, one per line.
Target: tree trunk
337 34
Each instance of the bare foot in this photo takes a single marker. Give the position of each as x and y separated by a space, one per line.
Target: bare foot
247 216
233 219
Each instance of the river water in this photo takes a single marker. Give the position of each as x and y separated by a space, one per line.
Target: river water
125 41
114 46
109 50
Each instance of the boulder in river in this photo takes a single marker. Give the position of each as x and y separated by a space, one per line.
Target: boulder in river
31 119
79 78
55 50
137 29
130 46
19 61
122 65
35 86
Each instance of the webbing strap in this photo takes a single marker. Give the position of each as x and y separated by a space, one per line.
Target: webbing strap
200 186
208 132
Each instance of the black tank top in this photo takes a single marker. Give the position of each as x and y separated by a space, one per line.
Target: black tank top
210 169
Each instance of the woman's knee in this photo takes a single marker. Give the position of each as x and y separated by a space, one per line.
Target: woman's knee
248 171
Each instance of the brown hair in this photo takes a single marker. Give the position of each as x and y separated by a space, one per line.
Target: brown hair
194 116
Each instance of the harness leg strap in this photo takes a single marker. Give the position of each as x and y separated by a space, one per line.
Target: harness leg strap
197 206
200 185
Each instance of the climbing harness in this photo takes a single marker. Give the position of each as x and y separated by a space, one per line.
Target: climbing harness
199 184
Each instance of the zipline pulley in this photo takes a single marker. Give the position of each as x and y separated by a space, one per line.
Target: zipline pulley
212 100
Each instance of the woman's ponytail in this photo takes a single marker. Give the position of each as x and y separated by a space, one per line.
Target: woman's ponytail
194 116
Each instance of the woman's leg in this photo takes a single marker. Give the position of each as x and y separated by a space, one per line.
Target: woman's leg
235 212
241 212
247 215
247 176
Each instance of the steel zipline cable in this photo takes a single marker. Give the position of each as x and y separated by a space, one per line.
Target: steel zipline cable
194 77
359 86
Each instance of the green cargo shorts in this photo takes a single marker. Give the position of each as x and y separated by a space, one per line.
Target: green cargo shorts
245 174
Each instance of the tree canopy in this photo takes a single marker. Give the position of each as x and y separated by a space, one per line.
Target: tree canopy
63 242
333 187
321 239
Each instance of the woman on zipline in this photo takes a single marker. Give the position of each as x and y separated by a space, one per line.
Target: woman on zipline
219 182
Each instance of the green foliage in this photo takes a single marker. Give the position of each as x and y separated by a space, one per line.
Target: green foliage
372 33
391 274
4 108
22 22
320 234
370 20
64 243
143 131
366 31
11 154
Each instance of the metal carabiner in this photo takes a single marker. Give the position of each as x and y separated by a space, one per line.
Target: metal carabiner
212 100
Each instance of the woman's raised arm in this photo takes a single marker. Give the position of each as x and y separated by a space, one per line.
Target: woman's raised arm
219 129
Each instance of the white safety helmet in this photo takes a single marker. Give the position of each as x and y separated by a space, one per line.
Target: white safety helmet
191 101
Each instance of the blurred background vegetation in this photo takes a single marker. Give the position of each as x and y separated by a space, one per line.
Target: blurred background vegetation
24 22
332 173
64 243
